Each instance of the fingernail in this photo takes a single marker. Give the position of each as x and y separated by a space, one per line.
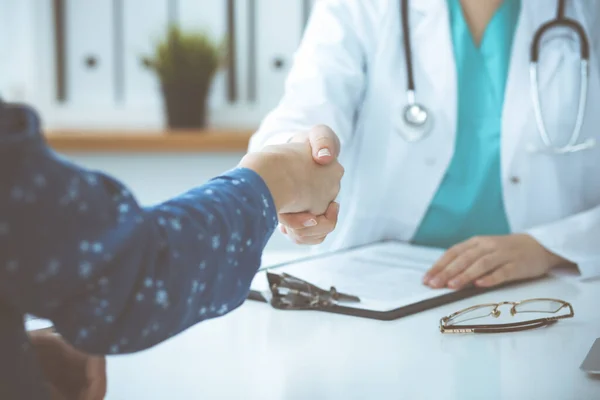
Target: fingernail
453 284
435 282
426 279
310 222
323 153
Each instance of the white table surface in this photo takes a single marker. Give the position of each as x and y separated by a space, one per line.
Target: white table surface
257 352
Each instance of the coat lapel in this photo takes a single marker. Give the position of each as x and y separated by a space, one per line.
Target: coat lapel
517 106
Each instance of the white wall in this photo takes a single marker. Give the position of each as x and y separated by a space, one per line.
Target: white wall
18 66
27 32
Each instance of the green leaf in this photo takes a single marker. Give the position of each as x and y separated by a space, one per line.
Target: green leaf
191 57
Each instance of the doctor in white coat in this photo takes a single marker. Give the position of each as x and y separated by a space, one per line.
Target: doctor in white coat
476 175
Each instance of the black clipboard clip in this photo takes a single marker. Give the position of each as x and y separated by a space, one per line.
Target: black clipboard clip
291 293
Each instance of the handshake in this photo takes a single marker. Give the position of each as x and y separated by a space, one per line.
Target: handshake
304 178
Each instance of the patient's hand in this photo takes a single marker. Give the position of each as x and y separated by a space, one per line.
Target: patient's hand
490 261
307 228
297 183
70 374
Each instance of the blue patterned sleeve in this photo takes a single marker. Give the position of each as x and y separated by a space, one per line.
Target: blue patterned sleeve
115 277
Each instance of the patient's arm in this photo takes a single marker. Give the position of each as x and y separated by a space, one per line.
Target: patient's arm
115 277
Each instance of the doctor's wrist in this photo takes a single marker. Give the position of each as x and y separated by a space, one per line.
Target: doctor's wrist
551 259
554 260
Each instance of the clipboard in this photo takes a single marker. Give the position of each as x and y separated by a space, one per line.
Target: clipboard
356 309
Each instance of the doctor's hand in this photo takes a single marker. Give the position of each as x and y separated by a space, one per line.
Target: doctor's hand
490 261
307 228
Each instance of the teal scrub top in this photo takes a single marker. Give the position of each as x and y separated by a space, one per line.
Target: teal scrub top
469 200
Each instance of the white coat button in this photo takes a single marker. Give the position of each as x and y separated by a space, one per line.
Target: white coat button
515 180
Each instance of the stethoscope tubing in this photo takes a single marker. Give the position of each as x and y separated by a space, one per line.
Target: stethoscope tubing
560 21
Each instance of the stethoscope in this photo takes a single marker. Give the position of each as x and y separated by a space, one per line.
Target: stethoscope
418 120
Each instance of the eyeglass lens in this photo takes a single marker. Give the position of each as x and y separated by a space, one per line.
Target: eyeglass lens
539 306
487 311
473 313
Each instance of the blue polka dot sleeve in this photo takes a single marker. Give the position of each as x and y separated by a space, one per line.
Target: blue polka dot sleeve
115 277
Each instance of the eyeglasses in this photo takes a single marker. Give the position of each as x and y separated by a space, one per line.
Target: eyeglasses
454 322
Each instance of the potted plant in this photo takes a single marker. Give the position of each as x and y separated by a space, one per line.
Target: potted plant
185 63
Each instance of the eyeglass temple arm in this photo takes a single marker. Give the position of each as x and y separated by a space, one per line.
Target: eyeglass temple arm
542 321
498 328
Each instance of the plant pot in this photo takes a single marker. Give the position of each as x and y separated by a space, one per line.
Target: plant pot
185 104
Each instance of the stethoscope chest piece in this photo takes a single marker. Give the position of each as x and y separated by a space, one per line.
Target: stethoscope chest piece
415 114
415 122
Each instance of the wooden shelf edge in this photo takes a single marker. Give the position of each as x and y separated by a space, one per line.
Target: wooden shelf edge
150 142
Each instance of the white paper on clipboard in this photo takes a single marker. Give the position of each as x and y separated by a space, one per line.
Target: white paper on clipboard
385 276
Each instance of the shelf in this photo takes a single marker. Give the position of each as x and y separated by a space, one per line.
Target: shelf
217 140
